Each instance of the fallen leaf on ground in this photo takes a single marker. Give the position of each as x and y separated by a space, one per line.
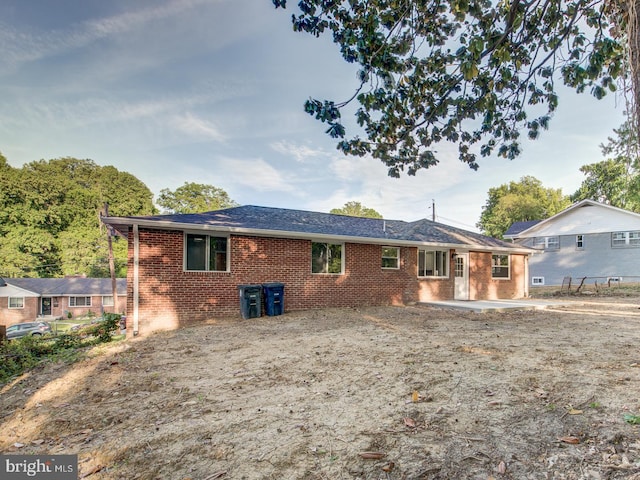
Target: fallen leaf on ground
502 468
415 396
569 439
574 411
410 422
388 467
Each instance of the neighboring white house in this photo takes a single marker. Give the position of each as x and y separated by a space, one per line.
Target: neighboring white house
588 239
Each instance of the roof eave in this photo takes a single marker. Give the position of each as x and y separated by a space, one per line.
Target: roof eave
167 225
21 288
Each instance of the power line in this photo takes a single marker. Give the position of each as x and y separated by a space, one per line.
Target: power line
459 223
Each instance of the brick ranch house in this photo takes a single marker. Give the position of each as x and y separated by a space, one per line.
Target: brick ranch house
186 268
29 299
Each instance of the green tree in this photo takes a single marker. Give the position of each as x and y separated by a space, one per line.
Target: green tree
194 198
519 202
49 216
471 72
355 209
615 180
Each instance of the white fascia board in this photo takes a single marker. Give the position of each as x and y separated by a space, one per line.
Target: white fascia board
162 225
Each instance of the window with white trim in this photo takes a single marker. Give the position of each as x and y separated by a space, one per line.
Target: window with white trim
579 242
205 253
547 243
433 263
391 257
16 302
107 301
326 257
79 301
625 239
500 266
537 280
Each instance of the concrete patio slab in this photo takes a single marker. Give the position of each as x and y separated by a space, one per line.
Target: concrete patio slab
482 306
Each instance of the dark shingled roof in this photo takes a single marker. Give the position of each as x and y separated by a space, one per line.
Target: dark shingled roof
69 286
288 221
517 227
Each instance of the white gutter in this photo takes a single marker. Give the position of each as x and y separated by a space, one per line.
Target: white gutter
167 225
136 278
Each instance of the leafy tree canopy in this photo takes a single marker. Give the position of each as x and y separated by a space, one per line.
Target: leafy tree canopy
356 209
194 198
471 72
519 202
49 216
615 180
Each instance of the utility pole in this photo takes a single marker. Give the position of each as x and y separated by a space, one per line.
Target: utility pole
112 266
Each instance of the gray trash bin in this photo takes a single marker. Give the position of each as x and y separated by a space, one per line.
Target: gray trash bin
250 301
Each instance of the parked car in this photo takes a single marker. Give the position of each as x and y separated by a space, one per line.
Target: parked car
28 328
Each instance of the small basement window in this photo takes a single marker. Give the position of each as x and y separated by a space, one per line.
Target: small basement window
537 280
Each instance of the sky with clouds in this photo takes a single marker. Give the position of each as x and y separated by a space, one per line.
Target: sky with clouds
212 91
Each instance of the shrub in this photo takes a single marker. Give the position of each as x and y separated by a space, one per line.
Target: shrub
25 353
67 340
103 330
15 357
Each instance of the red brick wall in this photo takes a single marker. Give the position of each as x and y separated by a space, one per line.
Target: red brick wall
483 287
170 297
18 315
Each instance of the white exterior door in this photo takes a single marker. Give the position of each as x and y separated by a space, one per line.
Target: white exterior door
461 273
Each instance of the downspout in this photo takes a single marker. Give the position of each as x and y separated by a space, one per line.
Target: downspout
136 277
526 276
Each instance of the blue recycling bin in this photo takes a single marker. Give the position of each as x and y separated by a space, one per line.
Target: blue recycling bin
273 298
250 301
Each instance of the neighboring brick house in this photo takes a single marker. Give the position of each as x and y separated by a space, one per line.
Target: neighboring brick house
587 239
187 268
28 299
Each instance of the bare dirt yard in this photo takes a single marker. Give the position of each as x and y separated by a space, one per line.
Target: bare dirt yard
374 393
